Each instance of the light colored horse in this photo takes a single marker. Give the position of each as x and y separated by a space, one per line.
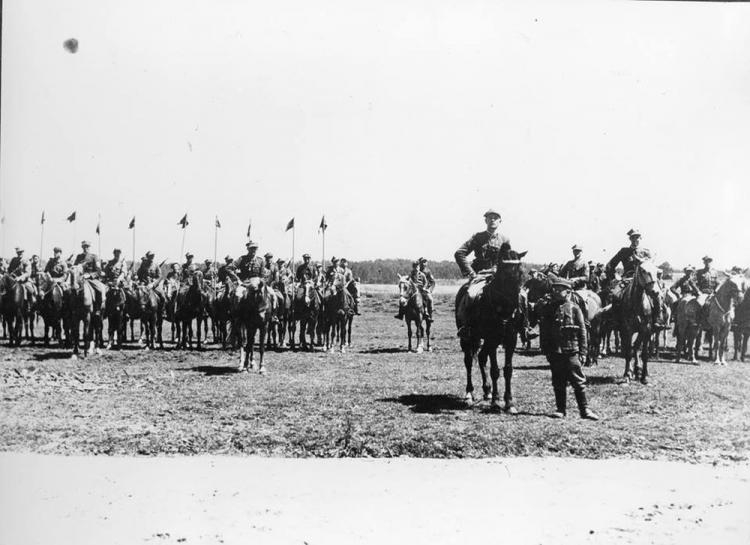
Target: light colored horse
719 311
415 312
687 326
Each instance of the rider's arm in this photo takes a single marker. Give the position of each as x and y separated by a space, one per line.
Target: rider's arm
612 264
462 257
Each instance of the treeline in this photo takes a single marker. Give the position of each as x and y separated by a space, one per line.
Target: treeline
385 271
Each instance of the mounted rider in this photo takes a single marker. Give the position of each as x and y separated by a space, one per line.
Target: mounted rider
270 270
305 270
349 280
629 257
486 248
56 267
332 271
92 271
251 270
148 271
419 280
686 284
35 268
114 269
188 268
576 270
707 278
429 286
19 269
210 273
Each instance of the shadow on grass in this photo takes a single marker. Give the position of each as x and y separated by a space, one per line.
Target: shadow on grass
591 380
44 356
428 403
531 367
211 370
383 351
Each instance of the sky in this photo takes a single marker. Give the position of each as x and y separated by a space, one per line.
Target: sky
402 122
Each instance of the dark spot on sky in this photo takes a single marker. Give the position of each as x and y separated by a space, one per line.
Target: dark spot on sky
71 45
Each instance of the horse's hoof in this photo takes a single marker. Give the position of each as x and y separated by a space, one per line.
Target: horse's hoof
343 350
486 397
109 346
419 350
73 357
98 351
644 381
261 370
511 409
495 405
469 398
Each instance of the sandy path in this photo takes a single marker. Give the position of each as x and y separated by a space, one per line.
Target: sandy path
46 499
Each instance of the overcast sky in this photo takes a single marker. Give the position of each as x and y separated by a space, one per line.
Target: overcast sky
401 121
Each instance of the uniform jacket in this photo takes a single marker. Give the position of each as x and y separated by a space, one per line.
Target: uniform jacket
305 272
224 271
148 271
113 269
56 267
562 330
430 280
576 269
89 263
250 267
332 271
270 272
685 285
18 266
706 280
628 257
188 270
418 278
486 248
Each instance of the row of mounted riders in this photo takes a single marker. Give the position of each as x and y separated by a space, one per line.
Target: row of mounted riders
237 310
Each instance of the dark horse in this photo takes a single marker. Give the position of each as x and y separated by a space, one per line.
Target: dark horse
633 312
494 318
338 307
586 299
188 307
14 308
252 310
114 311
82 302
51 308
415 312
144 303
305 310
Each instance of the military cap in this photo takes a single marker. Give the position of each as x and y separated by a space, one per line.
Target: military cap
561 282
422 260
251 244
343 260
207 261
576 248
279 260
706 258
634 233
85 243
57 249
228 258
736 270
268 254
189 254
117 251
415 263
305 255
334 259
149 254
492 212
689 268
19 250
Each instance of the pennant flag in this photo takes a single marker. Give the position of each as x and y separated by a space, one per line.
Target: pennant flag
131 225
184 221
323 224
290 225
42 217
249 226
2 220
218 223
97 228
72 217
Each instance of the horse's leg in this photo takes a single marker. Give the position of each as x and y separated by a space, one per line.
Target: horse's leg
420 333
428 325
626 339
261 343
408 332
647 336
198 332
494 374
469 352
482 356
745 335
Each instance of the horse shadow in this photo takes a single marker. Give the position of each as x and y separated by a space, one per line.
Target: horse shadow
595 380
383 351
531 367
211 370
428 403
44 356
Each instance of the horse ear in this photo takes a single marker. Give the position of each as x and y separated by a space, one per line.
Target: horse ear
522 254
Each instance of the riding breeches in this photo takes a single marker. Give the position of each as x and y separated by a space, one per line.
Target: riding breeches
566 368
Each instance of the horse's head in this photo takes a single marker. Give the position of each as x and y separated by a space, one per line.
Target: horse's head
538 286
645 276
405 286
510 273
732 289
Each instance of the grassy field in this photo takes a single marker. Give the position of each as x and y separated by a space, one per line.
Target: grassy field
377 400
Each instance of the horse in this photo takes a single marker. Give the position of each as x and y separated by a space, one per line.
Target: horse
82 302
13 307
51 307
608 325
633 312
719 312
278 330
687 326
414 312
189 301
253 310
306 308
338 305
741 328
586 299
144 303
494 318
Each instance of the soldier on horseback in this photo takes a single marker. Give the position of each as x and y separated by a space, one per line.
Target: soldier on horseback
629 257
707 278
349 280
306 270
35 268
56 268
250 267
91 268
188 268
486 248
332 271
210 274
270 270
148 271
576 270
686 284
419 280
429 285
19 269
114 269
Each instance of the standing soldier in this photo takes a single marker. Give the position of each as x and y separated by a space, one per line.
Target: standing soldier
114 269
90 266
576 270
486 248
429 285
56 268
563 341
188 268
148 271
305 270
706 278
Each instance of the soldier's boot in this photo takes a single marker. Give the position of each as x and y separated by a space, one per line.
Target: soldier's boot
401 311
428 308
583 408
560 402
356 306
657 310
